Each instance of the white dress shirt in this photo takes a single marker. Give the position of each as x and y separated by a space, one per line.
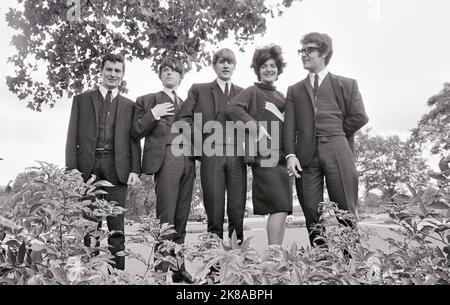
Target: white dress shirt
322 74
222 83
169 92
104 92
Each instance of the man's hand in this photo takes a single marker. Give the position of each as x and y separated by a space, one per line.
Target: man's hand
294 167
262 132
163 109
133 178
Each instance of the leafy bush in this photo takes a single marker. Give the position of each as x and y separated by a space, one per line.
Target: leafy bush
141 200
42 228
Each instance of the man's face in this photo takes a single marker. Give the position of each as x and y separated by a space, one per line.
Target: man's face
311 58
170 78
224 69
112 74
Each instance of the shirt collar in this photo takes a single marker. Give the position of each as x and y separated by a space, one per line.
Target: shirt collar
322 74
222 83
104 91
169 92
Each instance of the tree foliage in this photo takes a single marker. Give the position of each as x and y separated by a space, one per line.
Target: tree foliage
434 127
68 37
389 164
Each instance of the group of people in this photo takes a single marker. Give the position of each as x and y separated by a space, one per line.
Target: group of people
310 131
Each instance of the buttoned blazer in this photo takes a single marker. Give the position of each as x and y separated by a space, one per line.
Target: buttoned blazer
203 98
83 132
299 125
155 132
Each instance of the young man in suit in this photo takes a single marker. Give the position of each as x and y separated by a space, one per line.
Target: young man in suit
99 143
174 174
323 112
219 172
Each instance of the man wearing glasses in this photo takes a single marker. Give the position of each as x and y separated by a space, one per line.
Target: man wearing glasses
323 112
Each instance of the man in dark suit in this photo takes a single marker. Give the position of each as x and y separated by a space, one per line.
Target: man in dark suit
99 143
220 171
323 112
174 173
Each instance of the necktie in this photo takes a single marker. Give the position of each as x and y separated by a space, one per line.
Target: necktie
175 98
316 91
227 90
316 86
108 97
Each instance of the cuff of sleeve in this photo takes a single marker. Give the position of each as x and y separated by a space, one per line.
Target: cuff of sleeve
290 155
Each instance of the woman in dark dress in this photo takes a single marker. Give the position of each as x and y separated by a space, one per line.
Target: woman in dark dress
262 105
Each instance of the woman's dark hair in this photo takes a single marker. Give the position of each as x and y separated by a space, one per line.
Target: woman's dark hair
262 54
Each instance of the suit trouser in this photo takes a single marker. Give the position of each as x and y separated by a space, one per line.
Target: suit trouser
105 169
334 161
220 174
174 187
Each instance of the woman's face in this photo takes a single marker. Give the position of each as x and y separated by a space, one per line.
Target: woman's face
268 71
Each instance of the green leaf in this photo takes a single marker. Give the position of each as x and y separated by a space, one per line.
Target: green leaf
117 23
59 275
34 208
2 235
234 243
246 244
91 180
8 223
36 257
21 253
10 256
248 278
103 183
13 243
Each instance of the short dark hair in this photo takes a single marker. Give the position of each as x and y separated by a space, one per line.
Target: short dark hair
265 53
113 58
173 63
323 41
224 53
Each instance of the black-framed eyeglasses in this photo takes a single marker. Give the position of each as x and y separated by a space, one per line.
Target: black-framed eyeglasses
308 50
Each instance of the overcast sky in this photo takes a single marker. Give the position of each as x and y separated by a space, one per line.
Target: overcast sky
398 50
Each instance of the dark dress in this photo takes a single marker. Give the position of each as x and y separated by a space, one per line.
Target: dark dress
272 186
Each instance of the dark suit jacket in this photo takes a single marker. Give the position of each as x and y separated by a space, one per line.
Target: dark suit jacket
154 131
299 124
204 99
83 131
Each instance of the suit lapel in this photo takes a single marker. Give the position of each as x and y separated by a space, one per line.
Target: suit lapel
117 125
95 103
337 92
120 104
309 89
215 95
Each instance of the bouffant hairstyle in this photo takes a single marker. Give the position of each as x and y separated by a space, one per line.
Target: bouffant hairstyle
173 63
323 41
112 58
261 55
